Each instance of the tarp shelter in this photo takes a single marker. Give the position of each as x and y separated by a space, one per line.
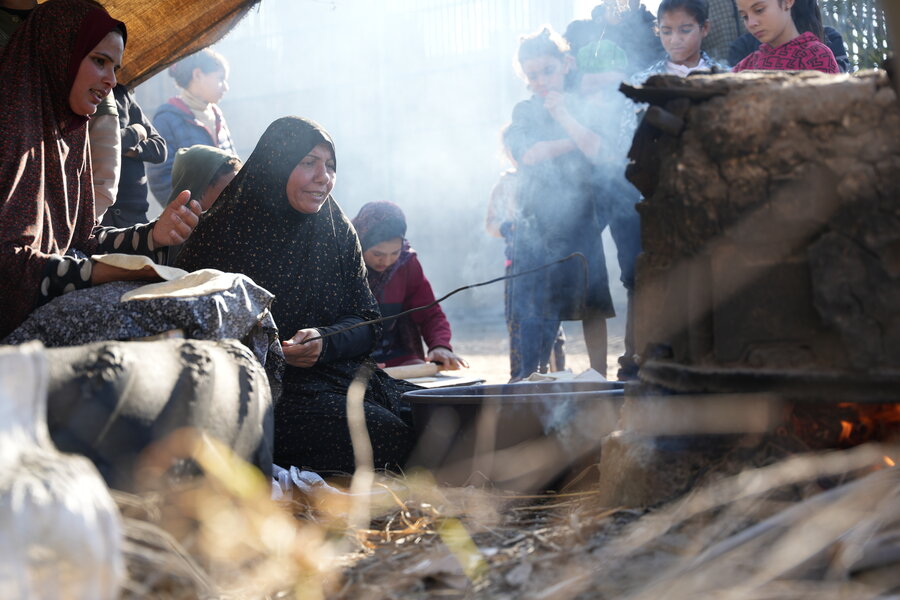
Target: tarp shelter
161 32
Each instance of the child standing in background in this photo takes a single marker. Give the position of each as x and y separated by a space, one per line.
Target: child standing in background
683 25
193 117
140 143
807 17
629 25
556 150
783 47
601 68
502 214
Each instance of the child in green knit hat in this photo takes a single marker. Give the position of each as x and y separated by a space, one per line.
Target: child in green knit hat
601 65
602 56
204 170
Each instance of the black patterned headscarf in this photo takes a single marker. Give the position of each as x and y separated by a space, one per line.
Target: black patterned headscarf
311 262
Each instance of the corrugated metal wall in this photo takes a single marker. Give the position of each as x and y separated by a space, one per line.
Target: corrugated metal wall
863 26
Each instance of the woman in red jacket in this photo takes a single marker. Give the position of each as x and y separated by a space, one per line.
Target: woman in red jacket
398 283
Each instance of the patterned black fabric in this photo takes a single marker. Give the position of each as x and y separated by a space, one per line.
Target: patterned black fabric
72 271
313 264
240 312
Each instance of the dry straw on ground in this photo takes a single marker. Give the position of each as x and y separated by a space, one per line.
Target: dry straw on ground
808 526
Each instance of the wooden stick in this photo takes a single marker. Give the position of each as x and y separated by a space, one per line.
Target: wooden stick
410 371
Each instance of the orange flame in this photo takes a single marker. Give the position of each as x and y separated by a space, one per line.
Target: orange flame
846 429
888 461
870 421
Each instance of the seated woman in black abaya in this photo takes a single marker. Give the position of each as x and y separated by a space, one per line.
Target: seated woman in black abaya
278 224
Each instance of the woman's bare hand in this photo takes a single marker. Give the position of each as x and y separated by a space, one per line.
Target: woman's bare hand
299 354
177 221
447 360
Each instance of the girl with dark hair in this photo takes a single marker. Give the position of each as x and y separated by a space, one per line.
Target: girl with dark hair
277 223
683 25
782 47
47 226
193 117
807 17
553 138
396 279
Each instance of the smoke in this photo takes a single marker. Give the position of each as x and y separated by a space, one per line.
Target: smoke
414 95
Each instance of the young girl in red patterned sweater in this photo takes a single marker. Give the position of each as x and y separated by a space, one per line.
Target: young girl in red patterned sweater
783 48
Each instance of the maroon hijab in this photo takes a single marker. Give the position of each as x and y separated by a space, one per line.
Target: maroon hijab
379 222
46 198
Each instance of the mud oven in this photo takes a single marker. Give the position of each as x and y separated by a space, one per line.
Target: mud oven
768 291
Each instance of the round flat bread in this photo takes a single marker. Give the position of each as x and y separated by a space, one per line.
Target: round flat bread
136 262
198 283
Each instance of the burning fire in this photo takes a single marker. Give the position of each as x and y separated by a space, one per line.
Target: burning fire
846 430
846 424
888 461
870 422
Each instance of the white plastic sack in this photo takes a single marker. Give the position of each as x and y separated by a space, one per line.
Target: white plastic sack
61 536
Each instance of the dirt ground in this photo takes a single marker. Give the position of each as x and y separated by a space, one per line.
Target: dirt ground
483 341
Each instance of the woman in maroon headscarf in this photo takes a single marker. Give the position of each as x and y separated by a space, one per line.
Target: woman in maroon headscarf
59 64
